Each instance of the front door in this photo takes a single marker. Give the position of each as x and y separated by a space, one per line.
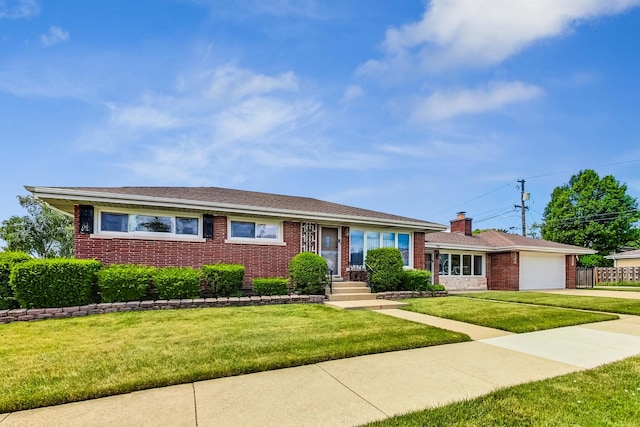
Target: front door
329 248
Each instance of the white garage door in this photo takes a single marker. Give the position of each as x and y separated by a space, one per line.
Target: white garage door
541 271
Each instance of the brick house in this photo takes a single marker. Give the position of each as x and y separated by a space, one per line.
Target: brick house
494 260
191 226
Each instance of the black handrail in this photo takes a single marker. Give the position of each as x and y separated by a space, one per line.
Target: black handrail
369 270
330 274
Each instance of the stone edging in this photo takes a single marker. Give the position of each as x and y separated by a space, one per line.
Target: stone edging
395 295
29 314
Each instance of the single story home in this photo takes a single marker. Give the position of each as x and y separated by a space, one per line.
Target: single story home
626 258
192 226
494 260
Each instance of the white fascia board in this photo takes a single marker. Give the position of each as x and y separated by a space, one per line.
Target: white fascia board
621 256
97 197
490 249
447 246
576 251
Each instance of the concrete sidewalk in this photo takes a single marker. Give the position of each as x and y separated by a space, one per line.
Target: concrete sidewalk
357 390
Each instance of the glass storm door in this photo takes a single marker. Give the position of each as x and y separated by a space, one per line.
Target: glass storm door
329 248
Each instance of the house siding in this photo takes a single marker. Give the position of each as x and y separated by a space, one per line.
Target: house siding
627 262
502 273
259 260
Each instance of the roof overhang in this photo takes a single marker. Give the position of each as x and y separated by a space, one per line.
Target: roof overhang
64 199
497 249
623 256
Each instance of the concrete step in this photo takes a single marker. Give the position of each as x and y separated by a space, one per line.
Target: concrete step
351 290
351 297
377 304
349 284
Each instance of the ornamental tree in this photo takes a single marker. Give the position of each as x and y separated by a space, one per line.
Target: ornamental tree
43 232
592 212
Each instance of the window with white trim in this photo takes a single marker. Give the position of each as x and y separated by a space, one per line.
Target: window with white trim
361 241
461 264
258 230
147 223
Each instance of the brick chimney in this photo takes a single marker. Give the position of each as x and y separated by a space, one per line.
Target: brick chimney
461 224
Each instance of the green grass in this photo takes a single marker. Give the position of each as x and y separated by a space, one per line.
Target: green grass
606 396
629 284
508 317
606 304
621 289
57 361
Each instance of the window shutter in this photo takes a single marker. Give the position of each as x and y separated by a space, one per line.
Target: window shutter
85 225
207 226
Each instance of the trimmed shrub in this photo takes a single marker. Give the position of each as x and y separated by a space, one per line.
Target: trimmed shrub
270 286
124 282
7 261
416 280
308 272
385 269
226 280
434 288
177 282
54 282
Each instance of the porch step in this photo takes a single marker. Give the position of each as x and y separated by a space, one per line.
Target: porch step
349 284
352 297
351 290
378 304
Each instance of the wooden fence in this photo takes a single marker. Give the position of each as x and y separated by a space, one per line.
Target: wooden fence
585 277
619 274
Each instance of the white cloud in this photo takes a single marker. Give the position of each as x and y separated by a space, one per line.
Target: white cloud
442 105
352 92
238 83
485 32
444 151
142 117
221 125
55 35
17 9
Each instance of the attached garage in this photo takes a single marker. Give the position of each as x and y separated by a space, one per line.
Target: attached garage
542 271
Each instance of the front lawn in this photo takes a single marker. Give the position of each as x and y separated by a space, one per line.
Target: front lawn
606 304
623 284
499 315
57 361
606 396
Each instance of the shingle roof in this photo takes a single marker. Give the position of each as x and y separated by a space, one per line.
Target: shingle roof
225 197
626 254
496 240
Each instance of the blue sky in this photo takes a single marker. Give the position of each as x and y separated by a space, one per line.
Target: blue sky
416 108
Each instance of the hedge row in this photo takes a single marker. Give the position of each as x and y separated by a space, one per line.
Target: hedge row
7 261
48 283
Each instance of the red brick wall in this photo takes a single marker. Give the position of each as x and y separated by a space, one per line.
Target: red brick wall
436 267
570 272
344 254
502 273
418 250
259 260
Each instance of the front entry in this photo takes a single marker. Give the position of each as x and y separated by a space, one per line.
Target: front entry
329 248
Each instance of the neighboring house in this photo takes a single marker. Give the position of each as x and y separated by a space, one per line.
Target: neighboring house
626 259
495 260
189 226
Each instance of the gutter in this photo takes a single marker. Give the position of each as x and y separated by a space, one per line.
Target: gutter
98 197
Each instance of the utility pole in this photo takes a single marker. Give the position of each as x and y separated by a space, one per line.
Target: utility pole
524 196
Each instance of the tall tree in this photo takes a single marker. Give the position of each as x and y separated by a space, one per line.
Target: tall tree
43 232
592 212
